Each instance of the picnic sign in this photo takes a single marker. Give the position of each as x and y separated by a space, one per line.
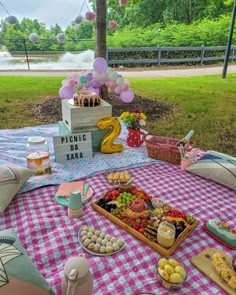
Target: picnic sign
72 147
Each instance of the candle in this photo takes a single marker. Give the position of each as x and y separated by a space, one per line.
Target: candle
166 234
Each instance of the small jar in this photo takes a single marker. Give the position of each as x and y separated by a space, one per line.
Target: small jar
38 156
75 207
166 234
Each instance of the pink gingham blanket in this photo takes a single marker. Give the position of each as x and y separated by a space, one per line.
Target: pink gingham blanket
51 238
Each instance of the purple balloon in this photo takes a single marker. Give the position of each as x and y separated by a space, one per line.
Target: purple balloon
93 89
127 96
89 76
95 84
100 65
66 92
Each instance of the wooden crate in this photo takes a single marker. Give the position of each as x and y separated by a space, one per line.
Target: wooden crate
156 247
77 118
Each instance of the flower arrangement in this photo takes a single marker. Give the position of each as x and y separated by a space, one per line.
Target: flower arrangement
134 119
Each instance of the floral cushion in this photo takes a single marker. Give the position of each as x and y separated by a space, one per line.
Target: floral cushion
12 179
18 275
216 166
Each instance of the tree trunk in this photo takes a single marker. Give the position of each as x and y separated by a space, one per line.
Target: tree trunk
101 45
101 28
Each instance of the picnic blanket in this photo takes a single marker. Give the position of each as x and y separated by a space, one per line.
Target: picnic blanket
13 152
51 238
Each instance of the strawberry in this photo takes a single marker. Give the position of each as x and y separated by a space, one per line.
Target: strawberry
141 230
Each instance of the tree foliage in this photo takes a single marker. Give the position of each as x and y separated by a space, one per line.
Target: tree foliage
141 23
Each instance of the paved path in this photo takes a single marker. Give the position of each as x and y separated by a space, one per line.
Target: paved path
185 72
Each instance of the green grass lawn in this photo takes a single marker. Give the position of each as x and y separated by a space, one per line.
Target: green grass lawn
206 104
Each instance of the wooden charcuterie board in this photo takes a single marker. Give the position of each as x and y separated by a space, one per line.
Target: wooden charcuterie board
154 245
202 262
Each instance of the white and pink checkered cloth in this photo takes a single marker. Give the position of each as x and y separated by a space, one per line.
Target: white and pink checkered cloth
51 238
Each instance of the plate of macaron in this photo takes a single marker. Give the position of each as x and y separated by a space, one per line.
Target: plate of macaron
98 242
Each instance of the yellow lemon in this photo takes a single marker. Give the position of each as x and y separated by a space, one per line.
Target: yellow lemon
175 278
173 262
162 262
164 274
180 270
169 269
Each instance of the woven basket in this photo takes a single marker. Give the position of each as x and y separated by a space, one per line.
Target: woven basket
163 148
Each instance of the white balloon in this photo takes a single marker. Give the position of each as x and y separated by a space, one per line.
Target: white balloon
34 37
61 37
78 19
11 19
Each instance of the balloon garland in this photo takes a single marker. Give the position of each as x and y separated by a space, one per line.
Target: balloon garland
92 81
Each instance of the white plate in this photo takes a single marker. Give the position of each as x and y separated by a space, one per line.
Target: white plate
95 253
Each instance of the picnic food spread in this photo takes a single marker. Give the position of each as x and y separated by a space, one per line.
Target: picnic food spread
160 225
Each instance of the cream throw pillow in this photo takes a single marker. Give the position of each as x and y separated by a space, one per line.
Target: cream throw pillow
216 166
12 179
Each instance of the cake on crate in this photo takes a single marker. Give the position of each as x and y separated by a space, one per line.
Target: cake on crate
83 117
81 113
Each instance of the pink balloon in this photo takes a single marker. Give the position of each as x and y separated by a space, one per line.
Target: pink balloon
112 84
66 92
124 87
127 96
71 83
107 83
90 15
117 90
123 2
112 24
100 65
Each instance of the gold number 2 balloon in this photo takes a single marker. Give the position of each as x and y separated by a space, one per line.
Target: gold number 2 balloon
107 145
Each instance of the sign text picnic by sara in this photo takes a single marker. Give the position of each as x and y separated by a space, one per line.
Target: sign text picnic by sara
72 147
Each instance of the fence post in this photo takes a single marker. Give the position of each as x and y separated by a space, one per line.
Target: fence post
26 54
232 57
159 55
202 53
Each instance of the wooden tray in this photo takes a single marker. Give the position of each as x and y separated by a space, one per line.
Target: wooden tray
156 247
202 262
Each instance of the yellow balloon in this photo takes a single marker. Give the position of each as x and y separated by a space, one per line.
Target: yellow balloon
107 145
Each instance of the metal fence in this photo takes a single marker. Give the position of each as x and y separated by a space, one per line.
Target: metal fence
167 55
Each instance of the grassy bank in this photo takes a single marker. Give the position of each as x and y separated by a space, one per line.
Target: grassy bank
205 104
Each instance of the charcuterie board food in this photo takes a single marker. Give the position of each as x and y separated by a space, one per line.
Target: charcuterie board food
218 266
159 225
98 242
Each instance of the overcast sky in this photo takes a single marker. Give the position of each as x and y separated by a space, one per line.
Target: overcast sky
50 12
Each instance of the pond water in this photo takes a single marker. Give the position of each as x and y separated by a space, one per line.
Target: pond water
68 61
